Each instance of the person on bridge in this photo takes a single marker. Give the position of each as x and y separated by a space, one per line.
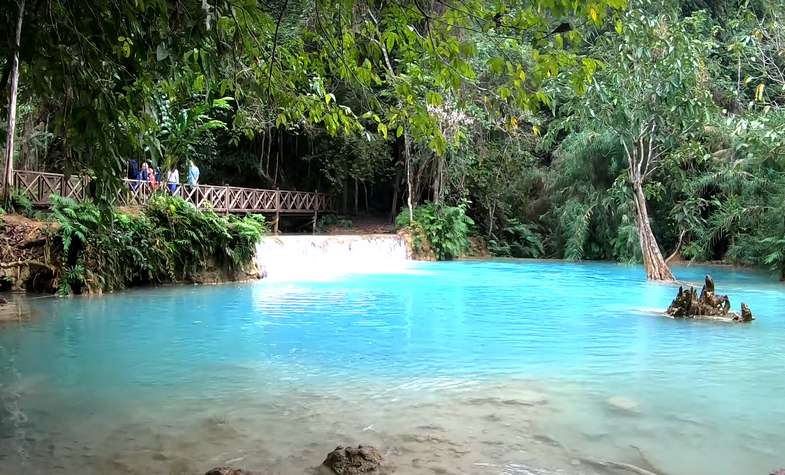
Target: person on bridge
193 173
133 173
173 180
152 179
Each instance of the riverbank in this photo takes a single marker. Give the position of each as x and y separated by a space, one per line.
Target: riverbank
78 248
171 242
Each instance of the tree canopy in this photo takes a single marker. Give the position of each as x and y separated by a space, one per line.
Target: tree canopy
532 115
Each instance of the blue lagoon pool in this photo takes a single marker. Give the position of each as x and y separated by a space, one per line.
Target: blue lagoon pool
480 367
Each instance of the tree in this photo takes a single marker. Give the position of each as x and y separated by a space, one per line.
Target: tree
8 173
350 67
652 91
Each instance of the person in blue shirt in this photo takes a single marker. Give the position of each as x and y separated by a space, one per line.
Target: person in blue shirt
133 173
193 173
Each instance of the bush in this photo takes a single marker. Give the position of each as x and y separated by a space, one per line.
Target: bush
444 229
169 241
19 203
517 240
328 221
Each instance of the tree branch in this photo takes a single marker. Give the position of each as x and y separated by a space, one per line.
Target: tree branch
275 46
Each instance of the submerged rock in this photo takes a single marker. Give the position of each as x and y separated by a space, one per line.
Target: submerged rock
351 460
778 472
623 404
228 471
708 305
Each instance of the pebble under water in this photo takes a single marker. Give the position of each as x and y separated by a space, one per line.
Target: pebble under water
480 367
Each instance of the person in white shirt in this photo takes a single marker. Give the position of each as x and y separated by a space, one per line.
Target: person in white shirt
173 178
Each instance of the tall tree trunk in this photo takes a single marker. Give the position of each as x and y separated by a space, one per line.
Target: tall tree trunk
406 140
437 180
8 175
345 196
365 191
653 262
396 190
408 157
356 198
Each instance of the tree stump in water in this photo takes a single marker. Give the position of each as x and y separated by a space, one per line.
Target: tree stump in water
708 305
746 313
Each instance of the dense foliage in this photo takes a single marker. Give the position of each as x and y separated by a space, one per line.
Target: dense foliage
559 122
440 229
170 240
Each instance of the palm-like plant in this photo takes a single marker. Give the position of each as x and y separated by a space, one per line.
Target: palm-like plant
177 130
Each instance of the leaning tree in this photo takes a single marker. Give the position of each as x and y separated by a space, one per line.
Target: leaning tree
652 91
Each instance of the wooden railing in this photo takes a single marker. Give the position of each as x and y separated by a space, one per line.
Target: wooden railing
39 186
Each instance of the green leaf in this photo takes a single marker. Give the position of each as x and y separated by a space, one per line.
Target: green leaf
390 41
198 84
161 52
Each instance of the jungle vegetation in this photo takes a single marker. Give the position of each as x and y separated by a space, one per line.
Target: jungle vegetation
635 130
168 241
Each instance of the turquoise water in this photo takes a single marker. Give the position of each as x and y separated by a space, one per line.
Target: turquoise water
508 367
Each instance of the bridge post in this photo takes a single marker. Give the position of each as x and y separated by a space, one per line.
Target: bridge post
315 209
277 209
226 200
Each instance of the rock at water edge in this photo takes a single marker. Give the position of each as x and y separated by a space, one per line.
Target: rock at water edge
353 460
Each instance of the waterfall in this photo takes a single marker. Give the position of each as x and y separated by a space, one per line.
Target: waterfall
323 257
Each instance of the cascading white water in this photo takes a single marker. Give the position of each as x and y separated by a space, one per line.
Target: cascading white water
321 257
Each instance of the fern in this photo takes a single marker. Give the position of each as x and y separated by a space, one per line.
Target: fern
169 240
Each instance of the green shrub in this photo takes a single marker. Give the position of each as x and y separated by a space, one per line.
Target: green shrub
444 229
168 241
245 233
517 240
328 221
19 203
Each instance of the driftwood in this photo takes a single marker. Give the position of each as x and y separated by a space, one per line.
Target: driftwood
709 305
30 263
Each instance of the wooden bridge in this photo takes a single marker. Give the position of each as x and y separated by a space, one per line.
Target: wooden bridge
39 186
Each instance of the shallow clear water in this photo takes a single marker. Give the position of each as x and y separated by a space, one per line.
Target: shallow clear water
510 367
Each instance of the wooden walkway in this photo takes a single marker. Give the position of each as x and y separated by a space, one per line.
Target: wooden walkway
39 186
